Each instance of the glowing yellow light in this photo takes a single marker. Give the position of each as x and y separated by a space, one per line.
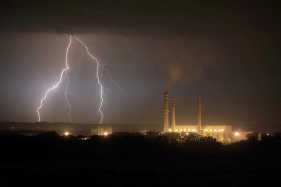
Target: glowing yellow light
211 130
170 130
184 130
236 134
180 129
177 130
188 129
215 129
187 133
66 133
207 130
105 133
193 129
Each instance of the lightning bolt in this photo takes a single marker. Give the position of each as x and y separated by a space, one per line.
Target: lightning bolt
99 72
66 98
98 78
82 54
57 84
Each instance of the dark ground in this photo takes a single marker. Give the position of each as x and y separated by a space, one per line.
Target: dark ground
135 160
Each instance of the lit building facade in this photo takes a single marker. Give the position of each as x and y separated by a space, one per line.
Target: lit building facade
101 131
220 132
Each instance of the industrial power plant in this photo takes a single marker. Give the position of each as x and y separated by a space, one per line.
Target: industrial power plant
220 132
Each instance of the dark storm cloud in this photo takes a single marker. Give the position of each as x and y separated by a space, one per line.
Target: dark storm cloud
232 35
237 25
225 51
137 17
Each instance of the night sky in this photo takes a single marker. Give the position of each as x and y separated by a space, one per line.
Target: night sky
226 52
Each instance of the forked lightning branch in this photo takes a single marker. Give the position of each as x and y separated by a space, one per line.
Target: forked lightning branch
64 73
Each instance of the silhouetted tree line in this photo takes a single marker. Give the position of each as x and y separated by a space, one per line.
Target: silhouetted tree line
50 145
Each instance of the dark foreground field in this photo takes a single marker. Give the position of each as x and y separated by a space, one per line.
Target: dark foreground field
136 160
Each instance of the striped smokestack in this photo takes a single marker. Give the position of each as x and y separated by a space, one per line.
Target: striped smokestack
166 112
173 114
199 115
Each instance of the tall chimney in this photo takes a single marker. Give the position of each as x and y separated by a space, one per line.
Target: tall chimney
199 115
173 114
166 112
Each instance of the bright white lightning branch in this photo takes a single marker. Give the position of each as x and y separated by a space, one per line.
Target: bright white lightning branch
111 77
66 88
98 78
82 54
65 93
57 84
99 69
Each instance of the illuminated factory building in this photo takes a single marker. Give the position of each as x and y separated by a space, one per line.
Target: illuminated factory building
101 131
220 132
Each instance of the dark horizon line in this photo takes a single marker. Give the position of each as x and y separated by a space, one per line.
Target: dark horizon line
77 123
